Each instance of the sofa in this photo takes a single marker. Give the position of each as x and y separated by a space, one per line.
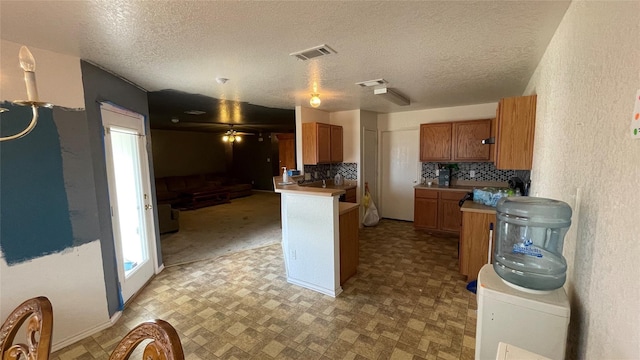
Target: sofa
196 191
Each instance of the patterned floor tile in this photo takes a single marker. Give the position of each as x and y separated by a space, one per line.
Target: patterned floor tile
407 301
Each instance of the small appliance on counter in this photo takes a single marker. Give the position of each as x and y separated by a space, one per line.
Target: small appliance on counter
444 177
338 180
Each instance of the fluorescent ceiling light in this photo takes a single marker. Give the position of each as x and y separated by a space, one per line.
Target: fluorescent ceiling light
392 95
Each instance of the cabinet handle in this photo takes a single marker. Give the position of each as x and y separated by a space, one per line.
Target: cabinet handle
489 141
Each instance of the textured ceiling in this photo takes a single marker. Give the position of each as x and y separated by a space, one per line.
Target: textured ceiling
438 53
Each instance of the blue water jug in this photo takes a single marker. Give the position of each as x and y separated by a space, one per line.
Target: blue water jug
529 239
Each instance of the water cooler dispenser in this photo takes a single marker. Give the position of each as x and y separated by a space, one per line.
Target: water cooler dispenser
521 300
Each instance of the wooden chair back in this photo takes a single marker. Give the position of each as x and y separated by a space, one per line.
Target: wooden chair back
39 314
165 342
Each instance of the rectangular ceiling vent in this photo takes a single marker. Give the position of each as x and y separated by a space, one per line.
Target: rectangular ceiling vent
370 83
320 50
393 95
194 112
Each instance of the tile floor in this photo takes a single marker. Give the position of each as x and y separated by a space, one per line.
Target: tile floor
406 302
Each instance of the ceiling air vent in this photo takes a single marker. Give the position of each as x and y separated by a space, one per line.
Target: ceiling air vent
194 112
320 50
370 83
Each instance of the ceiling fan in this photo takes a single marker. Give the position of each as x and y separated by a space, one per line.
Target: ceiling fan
234 136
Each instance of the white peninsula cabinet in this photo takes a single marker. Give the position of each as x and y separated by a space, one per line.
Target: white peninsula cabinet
311 236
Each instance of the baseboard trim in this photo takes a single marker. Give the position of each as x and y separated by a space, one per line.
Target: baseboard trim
85 334
159 269
332 293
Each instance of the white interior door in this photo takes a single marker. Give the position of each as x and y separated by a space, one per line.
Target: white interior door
130 197
400 172
370 150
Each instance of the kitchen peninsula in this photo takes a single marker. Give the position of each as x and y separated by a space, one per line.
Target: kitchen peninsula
311 235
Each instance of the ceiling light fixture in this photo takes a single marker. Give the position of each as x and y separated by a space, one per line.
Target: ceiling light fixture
221 80
315 100
392 95
231 136
315 97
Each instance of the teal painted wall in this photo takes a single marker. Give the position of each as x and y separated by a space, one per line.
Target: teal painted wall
34 211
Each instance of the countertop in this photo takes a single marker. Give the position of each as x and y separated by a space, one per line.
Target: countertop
330 190
460 185
345 207
471 206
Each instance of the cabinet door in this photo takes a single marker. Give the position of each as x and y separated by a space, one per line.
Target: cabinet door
467 140
435 142
324 143
286 151
425 213
474 241
336 144
449 216
515 132
349 244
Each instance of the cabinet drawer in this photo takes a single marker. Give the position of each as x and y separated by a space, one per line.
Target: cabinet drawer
426 194
452 195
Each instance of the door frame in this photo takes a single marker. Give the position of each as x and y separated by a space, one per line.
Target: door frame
150 222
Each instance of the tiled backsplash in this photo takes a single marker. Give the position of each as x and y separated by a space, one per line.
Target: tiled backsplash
348 171
484 171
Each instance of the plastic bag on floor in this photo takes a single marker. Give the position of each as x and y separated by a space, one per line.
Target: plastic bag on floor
371 217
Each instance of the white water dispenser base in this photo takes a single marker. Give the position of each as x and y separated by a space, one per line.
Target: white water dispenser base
534 322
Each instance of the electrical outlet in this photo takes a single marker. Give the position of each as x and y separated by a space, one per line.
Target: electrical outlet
472 173
328 172
437 172
268 159
293 254
307 176
315 174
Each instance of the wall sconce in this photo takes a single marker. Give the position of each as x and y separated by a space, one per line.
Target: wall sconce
28 64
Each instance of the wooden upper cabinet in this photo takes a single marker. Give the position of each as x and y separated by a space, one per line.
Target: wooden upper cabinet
336 144
455 141
515 130
467 140
321 143
435 142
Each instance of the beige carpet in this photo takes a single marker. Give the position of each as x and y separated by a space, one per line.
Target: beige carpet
245 223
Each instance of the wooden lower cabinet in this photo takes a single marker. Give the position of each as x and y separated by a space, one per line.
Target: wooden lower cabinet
474 242
349 244
350 195
425 210
437 210
449 211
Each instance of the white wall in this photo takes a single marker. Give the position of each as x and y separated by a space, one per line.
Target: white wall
73 280
58 76
583 154
350 122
